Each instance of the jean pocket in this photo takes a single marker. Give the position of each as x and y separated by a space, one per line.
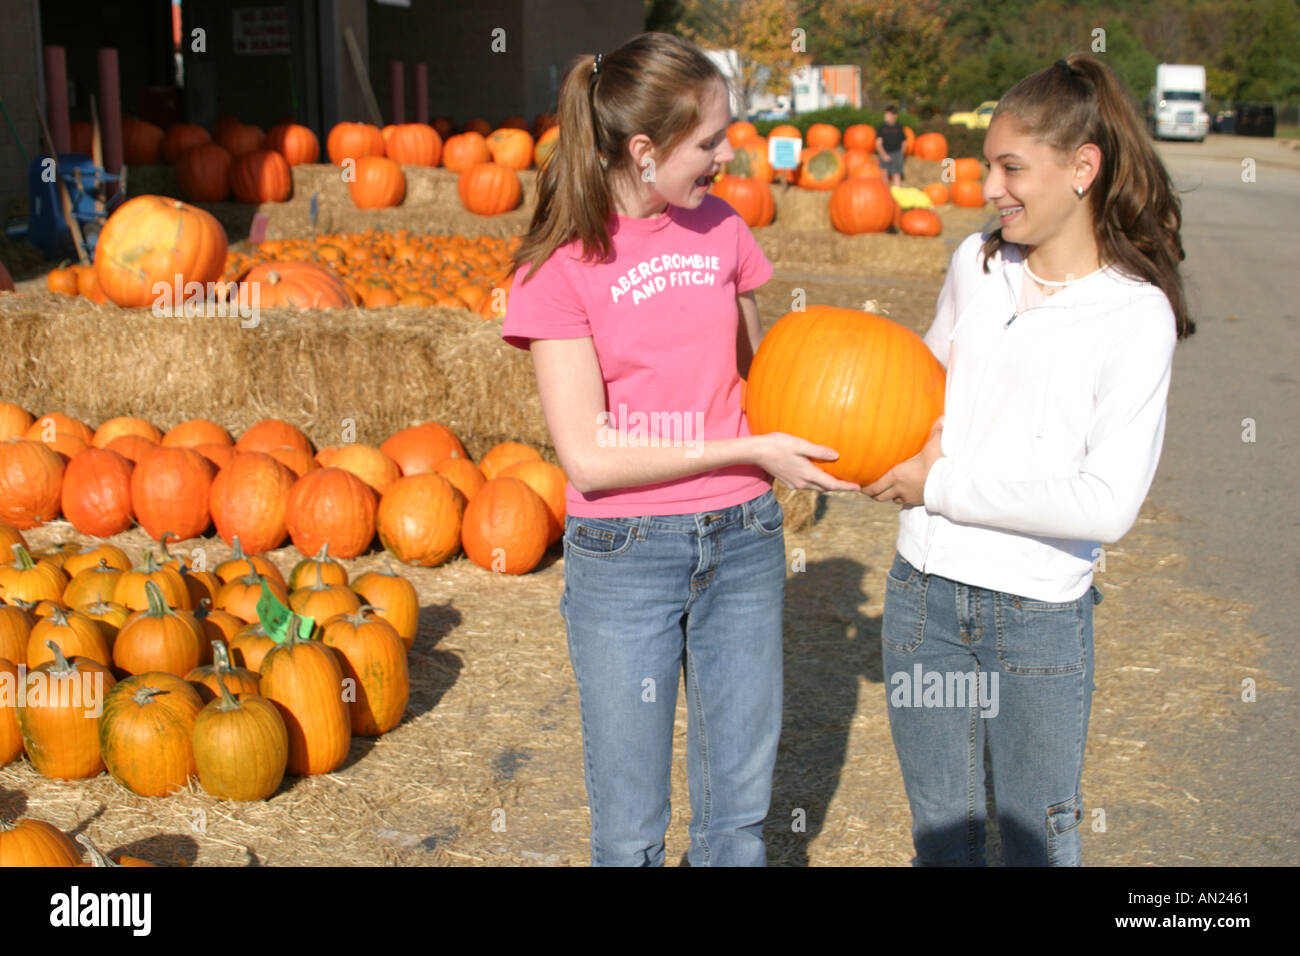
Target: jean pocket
599 537
767 516
1039 637
903 625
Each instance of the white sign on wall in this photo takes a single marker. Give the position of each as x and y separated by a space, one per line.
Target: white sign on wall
261 30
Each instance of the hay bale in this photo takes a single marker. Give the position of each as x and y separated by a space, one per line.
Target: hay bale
800 506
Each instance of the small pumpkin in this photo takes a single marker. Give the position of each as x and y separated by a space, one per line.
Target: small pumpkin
241 746
261 175
160 639
393 598
296 143
489 189
501 456
146 733
35 843
239 680
59 716
373 656
321 570
379 183
305 682
77 634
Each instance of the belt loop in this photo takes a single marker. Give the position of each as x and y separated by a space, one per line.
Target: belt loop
641 527
747 510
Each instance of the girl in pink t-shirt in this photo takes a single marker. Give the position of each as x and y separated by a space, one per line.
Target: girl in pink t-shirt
634 291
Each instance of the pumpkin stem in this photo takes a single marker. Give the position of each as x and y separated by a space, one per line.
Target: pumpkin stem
7 825
61 663
59 616
97 857
157 605
220 656
162 542
388 564
22 558
19 603
228 701
146 694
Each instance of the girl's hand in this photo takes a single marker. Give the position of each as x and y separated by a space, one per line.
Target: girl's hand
787 457
904 484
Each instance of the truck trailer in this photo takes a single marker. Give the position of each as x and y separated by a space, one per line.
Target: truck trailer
1176 105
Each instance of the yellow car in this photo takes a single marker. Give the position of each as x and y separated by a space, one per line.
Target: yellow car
979 119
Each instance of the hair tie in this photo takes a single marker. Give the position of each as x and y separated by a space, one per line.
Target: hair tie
1070 68
595 67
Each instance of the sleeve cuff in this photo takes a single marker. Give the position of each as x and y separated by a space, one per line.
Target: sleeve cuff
932 492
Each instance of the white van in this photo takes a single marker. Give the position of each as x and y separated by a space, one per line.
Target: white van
1176 106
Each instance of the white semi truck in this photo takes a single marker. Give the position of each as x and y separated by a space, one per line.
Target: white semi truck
1176 106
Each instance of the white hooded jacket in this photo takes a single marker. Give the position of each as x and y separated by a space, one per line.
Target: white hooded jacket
1054 417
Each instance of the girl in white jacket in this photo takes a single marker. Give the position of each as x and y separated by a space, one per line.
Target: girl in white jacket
1057 331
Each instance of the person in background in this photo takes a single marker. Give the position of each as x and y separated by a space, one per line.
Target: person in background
889 146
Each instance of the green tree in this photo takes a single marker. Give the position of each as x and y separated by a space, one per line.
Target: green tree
1130 59
760 33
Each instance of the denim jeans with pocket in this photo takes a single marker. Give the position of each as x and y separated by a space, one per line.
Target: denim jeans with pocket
963 663
644 598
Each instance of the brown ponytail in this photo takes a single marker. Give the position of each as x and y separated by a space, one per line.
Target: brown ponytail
653 84
1136 213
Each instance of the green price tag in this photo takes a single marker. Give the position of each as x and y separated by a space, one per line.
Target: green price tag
275 618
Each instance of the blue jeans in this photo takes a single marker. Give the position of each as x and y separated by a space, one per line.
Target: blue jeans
963 662
644 597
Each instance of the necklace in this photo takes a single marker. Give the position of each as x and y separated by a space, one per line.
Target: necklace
1056 285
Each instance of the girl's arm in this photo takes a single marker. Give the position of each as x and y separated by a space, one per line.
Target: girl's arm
1101 501
573 403
748 333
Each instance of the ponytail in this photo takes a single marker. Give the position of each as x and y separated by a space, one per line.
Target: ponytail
1137 215
653 84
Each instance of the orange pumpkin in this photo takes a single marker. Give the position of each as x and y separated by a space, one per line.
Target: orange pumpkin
241 138
489 189
302 285
248 500
124 425
501 456
373 656
751 198
141 142
419 519
751 161
512 148
96 493
152 239
861 205
968 193
303 679
420 448
465 150
146 733
739 132
170 491
550 483
920 222
196 431
14 421
261 175
967 168
822 136
856 382
31 483
352 141
506 527
180 137
931 146
860 136
296 143
331 506
820 168
414 144
546 144
379 183
937 192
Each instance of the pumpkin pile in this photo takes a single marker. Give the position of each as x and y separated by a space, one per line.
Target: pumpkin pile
846 165
160 672
418 490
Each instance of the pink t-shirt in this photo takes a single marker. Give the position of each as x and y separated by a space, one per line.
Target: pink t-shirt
662 315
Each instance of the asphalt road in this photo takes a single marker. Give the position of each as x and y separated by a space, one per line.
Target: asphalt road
1238 499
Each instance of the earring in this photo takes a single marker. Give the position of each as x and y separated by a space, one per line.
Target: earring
1078 191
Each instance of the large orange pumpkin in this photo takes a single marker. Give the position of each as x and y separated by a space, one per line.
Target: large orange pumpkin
96 492
152 239
31 483
931 146
861 205
302 285
506 527
414 144
751 161
261 175
352 141
489 189
249 497
751 198
968 193
465 150
296 143
820 168
967 168
203 173
421 448
863 385
379 183
331 506
739 132
822 136
170 491
512 148
419 519
860 136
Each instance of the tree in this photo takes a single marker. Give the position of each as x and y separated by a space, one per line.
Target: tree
903 43
761 32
